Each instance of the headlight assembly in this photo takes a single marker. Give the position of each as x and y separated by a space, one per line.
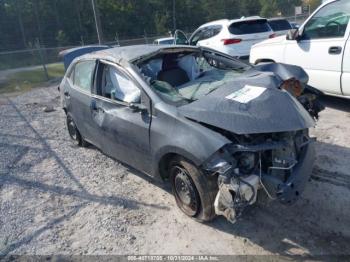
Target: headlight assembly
246 162
218 165
293 86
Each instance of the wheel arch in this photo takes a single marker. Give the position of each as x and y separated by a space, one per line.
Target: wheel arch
161 165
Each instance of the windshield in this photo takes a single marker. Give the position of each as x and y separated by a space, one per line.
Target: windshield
181 78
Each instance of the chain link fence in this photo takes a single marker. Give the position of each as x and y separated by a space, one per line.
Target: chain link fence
43 55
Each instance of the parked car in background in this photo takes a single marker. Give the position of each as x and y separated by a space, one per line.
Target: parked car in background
232 37
164 41
294 25
279 25
321 46
218 129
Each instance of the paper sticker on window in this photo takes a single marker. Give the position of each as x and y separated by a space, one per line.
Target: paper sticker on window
246 94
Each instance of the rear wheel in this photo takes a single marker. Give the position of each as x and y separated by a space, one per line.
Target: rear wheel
194 193
74 133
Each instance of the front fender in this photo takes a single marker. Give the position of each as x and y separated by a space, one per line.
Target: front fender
175 134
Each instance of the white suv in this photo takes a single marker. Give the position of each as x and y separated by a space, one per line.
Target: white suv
321 46
232 37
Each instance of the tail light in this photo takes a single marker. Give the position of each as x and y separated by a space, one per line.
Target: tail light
272 36
293 86
231 41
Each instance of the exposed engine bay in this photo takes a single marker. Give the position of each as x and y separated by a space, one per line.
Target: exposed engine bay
278 164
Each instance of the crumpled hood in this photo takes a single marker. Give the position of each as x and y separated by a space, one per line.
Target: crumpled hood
252 104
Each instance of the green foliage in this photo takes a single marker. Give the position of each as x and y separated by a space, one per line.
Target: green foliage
313 3
71 22
28 79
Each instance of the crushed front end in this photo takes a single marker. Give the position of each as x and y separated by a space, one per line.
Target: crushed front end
278 164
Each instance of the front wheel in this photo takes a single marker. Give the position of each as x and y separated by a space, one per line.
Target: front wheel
194 192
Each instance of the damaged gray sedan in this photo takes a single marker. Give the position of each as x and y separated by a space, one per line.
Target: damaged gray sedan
221 131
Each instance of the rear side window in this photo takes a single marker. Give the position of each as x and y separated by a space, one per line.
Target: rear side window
280 25
83 73
206 33
249 27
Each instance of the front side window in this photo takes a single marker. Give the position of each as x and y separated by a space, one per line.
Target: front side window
329 22
249 27
83 74
117 86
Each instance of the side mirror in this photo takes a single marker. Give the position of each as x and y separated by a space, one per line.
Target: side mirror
293 34
135 107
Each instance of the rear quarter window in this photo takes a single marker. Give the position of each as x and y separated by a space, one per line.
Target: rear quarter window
280 25
249 27
83 73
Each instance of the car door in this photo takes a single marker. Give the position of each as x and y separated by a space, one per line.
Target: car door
345 81
123 122
320 47
79 99
180 38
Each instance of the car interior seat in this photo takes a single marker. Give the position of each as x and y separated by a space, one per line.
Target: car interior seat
171 72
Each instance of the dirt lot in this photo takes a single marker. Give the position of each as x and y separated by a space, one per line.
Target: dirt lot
57 198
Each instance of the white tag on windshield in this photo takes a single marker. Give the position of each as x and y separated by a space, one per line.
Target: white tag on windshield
246 94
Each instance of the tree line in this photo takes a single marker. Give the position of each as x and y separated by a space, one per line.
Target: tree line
24 23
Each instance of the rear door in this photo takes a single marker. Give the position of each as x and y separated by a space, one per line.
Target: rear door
320 48
79 99
248 33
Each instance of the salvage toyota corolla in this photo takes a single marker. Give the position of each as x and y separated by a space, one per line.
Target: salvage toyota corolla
218 129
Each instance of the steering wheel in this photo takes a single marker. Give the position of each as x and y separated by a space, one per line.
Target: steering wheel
335 23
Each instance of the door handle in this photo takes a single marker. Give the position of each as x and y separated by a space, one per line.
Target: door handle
94 107
334 50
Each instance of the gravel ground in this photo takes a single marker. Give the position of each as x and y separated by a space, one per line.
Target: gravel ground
57 198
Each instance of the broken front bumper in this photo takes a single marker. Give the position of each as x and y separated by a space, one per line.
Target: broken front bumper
288 191
283 180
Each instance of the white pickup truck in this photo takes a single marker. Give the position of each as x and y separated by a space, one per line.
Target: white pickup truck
321 46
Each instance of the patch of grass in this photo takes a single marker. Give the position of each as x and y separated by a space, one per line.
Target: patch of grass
28 79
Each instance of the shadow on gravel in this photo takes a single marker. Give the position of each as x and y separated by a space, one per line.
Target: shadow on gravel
63 191
82 194
28 238
338 103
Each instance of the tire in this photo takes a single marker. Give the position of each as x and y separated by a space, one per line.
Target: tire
194 192
74 133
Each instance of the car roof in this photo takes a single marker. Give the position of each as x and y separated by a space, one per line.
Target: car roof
128 54
227 22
